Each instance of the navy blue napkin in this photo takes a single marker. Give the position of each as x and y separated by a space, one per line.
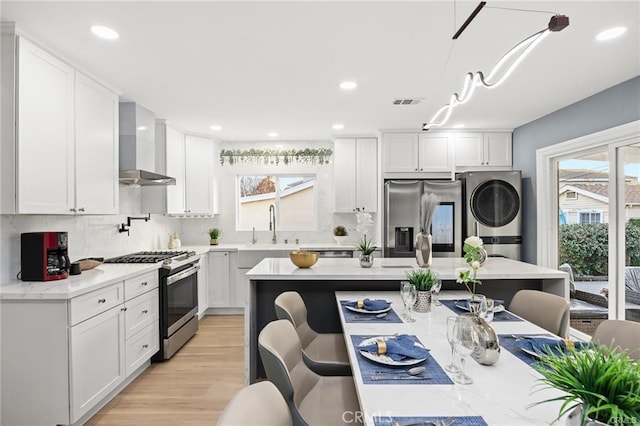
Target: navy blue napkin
545 345
399 348
369 304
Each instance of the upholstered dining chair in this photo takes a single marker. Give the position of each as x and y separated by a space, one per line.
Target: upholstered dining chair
623 334
324 353
260 404
312 399
546 310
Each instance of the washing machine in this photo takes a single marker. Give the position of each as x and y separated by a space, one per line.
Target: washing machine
493 211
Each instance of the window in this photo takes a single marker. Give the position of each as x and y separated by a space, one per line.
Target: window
590 217
293 198
571 195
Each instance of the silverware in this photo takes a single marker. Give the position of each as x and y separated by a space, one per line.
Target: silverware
382 377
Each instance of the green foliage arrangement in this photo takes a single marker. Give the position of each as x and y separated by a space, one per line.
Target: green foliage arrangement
605 381
585 247
275 157
366 246
423 278
340 231
214 233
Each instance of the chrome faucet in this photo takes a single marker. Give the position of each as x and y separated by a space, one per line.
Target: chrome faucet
272 223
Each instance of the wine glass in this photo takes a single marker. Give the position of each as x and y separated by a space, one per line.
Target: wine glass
491 305
435 289
465 340
409 297
452 367
404 288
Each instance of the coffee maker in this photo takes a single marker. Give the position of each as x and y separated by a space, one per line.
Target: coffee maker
44 256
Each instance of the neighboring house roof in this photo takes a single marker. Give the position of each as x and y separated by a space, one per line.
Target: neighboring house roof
586 175
289 190
600 192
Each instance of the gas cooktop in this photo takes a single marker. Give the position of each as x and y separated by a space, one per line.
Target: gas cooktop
145 257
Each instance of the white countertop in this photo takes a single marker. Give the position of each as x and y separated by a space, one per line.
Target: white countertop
279 246
76 285
394 269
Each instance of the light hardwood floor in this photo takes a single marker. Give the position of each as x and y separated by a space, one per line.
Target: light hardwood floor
192 388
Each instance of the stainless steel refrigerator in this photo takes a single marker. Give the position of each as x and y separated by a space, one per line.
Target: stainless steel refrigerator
402 217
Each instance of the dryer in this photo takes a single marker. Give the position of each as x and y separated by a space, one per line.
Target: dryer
493 210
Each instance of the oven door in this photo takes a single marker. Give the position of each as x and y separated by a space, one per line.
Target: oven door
180 301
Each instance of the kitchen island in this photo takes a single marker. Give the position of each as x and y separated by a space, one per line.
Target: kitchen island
501 279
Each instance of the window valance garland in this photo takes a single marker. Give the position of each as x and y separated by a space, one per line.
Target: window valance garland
276 157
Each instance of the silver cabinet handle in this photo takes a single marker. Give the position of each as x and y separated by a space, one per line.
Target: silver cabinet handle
72 209
145 346
145 311
81 209
144 283
102 300
123 309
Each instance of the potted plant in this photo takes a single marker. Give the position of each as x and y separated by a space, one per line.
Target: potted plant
423 279
214 234
600 384
366 247
340 234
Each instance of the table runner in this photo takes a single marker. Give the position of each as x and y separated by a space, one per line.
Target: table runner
499 316
350 316
368 368
459 420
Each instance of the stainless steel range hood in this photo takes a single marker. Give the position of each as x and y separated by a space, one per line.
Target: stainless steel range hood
137 147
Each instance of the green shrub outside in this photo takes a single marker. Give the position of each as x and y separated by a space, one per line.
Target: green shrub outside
584 247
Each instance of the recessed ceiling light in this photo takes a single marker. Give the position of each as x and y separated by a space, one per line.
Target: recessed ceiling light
348 85
142 128
458 126
214 127
272 134
337 126
104 32
611 33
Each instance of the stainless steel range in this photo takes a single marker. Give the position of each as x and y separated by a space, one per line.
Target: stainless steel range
178 295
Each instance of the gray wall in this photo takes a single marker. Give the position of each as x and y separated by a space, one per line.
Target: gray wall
612 107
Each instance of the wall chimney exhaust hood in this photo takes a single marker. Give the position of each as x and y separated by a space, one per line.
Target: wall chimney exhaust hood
137 147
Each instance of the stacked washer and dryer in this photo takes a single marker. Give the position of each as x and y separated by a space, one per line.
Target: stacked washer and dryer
493 210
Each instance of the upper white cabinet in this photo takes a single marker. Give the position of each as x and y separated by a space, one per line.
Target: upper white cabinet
190 160
483 149
355 177
418 152
59 136
96 161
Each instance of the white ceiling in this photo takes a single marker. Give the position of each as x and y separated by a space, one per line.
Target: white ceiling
275 66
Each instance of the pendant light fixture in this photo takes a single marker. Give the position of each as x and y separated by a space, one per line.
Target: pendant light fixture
500 72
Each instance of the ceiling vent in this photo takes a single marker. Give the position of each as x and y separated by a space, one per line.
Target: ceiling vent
415 101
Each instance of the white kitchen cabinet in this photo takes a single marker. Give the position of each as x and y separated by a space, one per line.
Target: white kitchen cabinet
59 136
97 359
190 160
80 350
241 287
355 167
203 285
418 152
96 160
219 280
483 149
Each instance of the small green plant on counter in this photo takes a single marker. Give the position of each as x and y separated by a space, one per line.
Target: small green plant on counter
423 278
603 380
214 233
340 231
366 246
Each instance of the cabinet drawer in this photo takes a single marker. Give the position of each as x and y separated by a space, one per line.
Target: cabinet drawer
95 302
137 285
140 312
141 347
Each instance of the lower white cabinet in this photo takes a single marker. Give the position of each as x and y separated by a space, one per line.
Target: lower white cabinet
225 291
97 359
203 285
60 358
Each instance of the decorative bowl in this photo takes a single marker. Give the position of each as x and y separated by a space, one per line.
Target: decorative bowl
304 259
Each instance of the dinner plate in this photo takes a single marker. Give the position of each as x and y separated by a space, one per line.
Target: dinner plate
465 307
364 311
383 359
